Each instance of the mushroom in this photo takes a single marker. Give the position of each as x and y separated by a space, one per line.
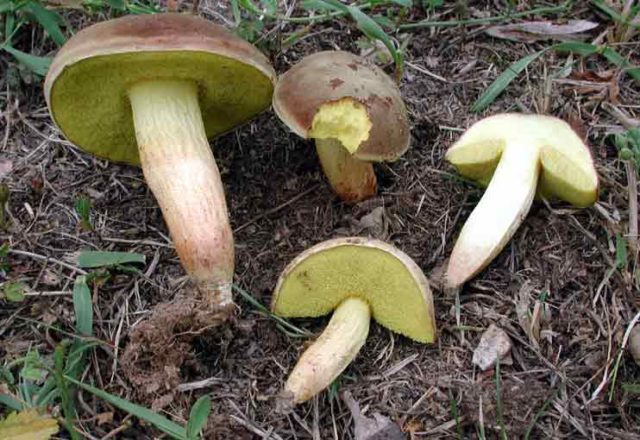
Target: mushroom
513 155
354 112
357 278
149 90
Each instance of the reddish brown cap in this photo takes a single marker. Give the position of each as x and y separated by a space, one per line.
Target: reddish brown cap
86 86
331 76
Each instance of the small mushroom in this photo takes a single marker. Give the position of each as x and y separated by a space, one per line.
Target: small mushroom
354 112
356 278
513 155
149 90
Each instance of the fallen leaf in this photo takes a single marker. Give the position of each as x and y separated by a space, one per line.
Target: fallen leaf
530 322
375 223
28 425
105 417
494 344
530 31
377 427
6 166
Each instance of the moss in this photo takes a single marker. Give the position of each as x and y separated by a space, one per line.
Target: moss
90 104
324 279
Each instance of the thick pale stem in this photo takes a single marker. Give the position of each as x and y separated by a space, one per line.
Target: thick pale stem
179 168
332 352
352 180
497 216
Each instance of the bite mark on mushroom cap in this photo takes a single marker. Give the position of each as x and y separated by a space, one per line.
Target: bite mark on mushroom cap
86 86
393 285
331 76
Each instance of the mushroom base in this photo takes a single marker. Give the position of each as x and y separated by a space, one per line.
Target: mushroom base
331 353
182 174
351 179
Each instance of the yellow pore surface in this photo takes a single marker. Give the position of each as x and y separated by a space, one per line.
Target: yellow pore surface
345 120
567 170
319 282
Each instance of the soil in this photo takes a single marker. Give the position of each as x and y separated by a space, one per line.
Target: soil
280 205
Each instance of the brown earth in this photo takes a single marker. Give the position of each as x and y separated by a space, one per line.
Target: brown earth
280 205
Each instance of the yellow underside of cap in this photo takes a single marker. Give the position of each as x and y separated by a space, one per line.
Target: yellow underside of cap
317 284
89 100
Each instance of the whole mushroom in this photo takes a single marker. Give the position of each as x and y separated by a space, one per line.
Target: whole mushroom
149 90
354 112
356 278
514 156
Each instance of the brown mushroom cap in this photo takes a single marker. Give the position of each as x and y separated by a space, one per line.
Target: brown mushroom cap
332 76
86 86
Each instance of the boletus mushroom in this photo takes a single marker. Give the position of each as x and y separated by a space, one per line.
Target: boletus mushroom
514 156
149 90
357 278
354 112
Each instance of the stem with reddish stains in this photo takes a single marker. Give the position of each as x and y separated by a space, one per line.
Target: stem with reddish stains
351 179
181 171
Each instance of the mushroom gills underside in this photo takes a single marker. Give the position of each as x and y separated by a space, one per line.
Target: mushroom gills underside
320 282
89 98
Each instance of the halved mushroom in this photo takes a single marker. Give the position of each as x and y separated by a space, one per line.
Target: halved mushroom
514 155
358 278
149 90
354 112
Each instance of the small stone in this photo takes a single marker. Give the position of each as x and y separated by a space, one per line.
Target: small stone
494 344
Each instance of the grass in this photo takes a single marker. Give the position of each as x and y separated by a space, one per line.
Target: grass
43 382
45 378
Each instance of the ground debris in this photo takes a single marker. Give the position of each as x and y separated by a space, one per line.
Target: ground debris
494 345
377 427
159 346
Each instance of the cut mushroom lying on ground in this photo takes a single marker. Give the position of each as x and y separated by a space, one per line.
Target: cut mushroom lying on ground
149 90
357 278
513 155
354 112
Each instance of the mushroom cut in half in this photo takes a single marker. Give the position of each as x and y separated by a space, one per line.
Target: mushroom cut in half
515 156
149 90
354 112
357 279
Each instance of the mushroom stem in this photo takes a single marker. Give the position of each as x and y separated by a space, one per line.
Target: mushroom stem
495 219
332 352
352 180
180 170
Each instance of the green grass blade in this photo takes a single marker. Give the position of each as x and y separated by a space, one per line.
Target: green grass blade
613 14
162 423
502 81
586 49
260 307
541 412
66 396
83 306
48 20
374 31
198 416
93 259
10 402
36 64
